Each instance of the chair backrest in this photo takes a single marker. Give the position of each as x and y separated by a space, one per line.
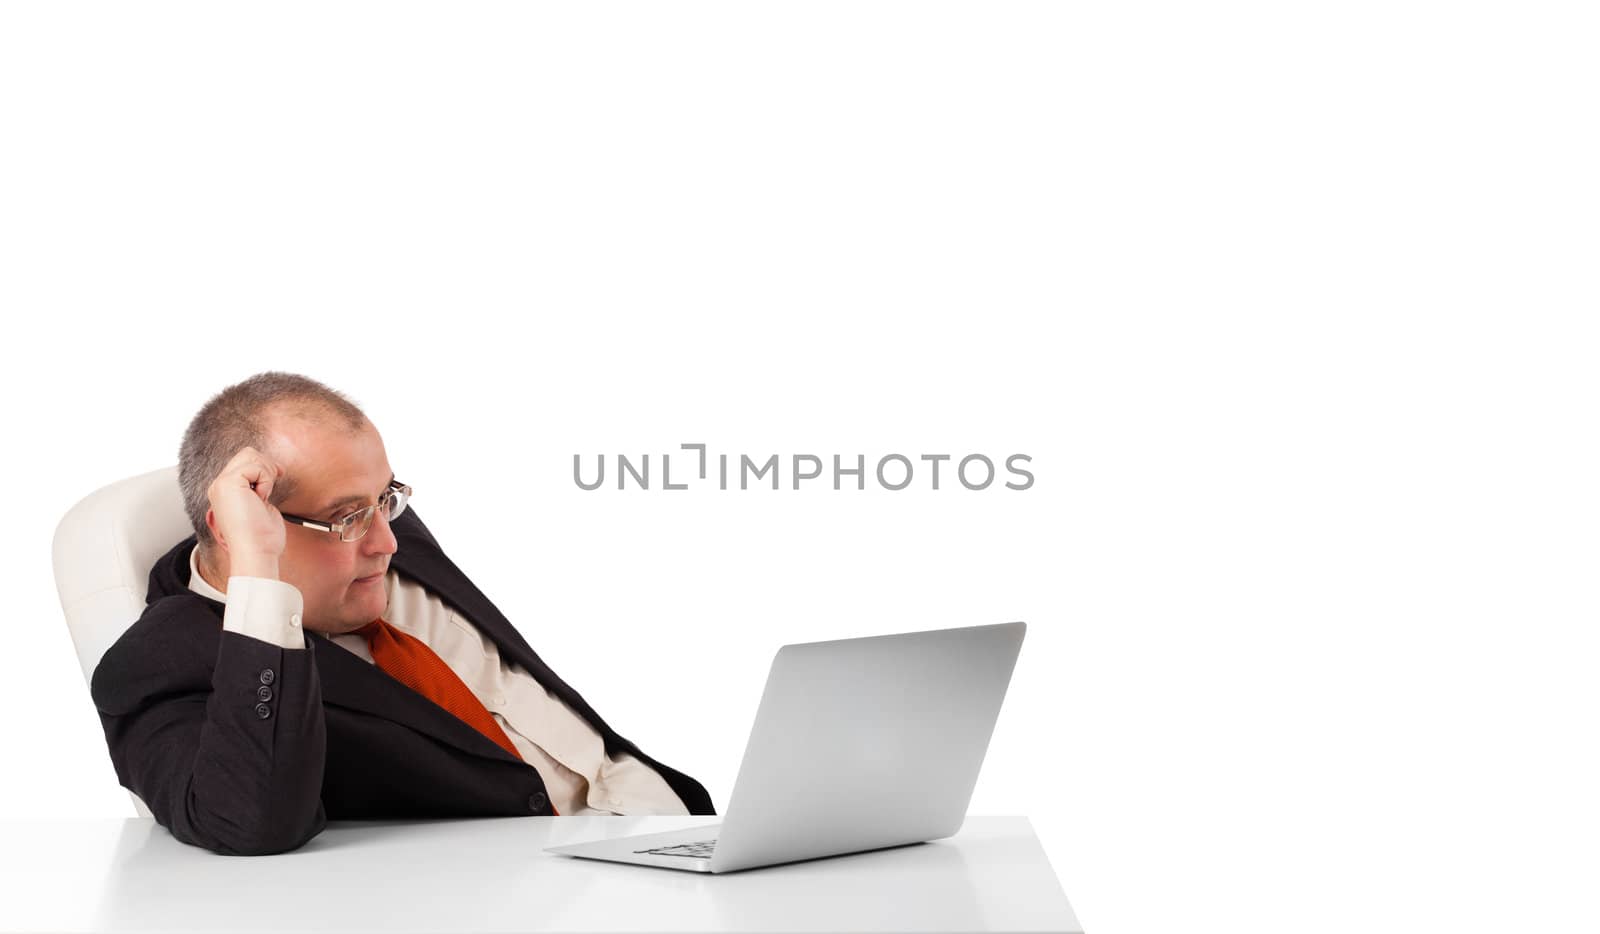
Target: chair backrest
103 550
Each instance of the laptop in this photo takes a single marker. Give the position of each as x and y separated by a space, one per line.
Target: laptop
858 744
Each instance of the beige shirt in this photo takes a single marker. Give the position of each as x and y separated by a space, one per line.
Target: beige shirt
569 753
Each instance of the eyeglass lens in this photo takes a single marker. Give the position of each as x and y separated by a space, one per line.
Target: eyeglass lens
393 504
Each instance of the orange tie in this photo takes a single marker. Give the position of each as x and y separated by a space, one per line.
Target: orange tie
409 660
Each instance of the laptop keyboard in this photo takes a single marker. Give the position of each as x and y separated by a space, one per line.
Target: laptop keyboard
700 849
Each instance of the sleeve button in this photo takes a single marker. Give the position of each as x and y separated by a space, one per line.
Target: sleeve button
537 801
263 711
263 693
267 677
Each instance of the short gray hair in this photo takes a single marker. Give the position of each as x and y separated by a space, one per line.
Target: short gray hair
235 418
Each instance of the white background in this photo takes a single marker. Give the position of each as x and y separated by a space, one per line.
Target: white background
1290 308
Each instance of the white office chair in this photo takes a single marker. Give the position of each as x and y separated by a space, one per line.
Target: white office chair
103 551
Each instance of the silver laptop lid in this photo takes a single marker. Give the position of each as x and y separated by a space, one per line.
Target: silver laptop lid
866 743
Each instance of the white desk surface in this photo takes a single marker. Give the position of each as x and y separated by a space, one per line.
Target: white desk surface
492 874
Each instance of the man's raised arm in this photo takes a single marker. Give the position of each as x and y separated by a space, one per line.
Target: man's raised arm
227 750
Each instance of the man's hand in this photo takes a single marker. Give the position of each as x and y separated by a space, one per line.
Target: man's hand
247 527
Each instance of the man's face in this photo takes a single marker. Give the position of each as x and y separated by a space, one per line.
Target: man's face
335 473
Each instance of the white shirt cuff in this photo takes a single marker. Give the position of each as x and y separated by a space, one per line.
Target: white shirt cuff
265 609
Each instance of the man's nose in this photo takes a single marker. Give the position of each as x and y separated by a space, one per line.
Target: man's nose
379 539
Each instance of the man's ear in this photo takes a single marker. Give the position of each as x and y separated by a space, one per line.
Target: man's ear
216 533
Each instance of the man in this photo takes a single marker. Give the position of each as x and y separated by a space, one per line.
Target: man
310 653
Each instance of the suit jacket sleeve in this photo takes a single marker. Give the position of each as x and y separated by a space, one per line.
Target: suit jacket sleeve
219 733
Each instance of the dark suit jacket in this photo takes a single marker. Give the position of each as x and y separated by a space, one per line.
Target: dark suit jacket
244 748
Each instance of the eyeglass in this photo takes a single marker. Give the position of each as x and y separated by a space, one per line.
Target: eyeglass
355 525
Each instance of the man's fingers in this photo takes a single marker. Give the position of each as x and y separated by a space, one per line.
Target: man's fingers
246 520
255 470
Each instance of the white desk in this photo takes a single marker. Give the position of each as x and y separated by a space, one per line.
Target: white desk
492 874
